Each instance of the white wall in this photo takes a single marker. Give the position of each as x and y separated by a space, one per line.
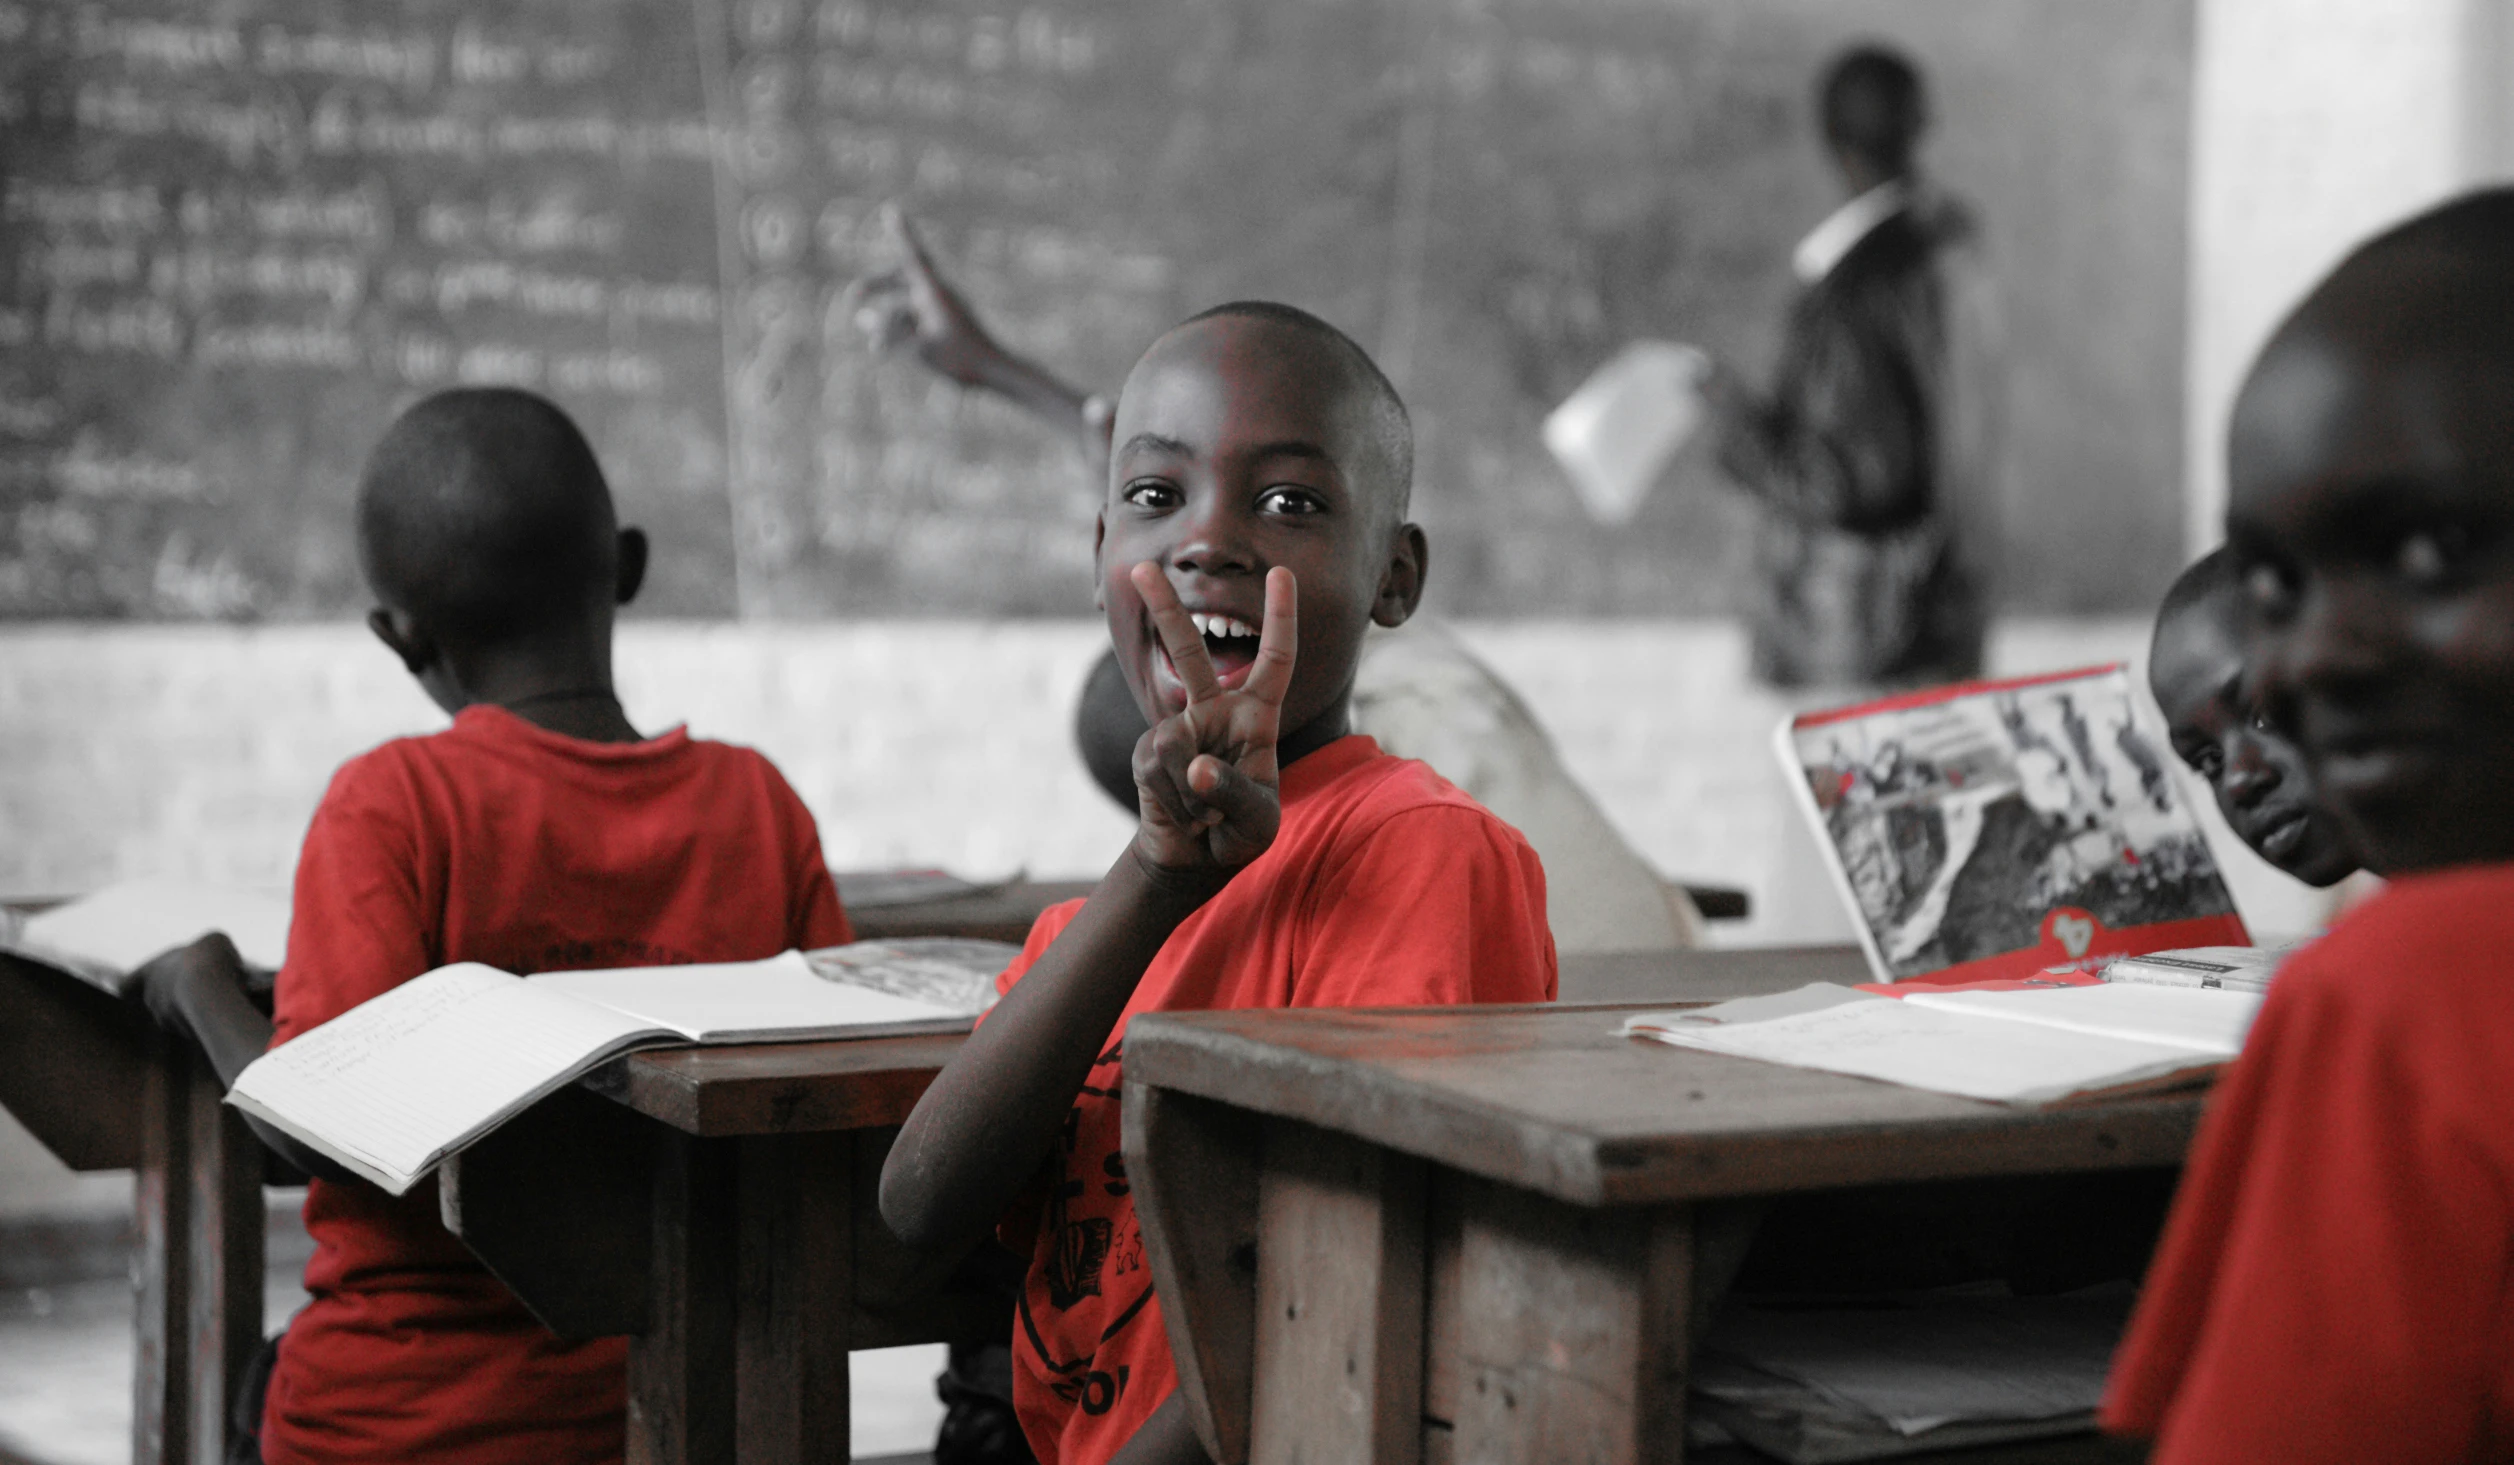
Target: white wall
2315 123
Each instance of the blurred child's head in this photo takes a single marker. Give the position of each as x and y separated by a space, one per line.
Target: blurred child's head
2196 668
1251 436
2371 515
1873 110
486 531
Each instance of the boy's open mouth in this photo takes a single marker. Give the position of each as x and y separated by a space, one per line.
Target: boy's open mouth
1230 643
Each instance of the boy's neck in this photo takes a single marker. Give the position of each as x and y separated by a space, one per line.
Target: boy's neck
565 689
1318 732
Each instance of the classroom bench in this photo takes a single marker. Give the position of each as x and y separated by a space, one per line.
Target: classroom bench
1486 1235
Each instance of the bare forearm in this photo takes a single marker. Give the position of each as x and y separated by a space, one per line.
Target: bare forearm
1167 1437
979 1134
232 1032
1033 388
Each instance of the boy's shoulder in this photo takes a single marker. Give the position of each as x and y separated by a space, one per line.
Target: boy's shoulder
2428 960
1360 788
489 751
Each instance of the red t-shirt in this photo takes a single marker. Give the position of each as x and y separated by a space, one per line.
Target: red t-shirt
496 841
2333 1283
1385 887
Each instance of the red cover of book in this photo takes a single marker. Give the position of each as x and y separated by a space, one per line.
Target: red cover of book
1993 829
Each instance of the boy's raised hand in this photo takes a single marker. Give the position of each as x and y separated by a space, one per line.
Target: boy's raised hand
913 303
1207 779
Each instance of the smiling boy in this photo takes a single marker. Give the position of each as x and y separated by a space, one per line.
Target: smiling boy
2333 1285
1254 527
2196 668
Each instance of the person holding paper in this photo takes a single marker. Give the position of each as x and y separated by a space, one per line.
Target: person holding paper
1871 455
541 832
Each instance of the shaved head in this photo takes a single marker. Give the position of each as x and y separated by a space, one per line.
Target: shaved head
1391 431
483 514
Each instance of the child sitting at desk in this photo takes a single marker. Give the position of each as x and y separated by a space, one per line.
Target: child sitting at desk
2332 1285
541 832
1259 475
2196 669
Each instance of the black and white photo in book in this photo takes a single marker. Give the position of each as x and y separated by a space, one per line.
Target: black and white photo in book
1993 829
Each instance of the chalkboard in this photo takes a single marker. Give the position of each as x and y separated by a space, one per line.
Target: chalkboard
236 238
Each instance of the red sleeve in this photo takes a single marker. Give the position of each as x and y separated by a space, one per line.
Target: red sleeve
1043 933
2332 1285
1439 905
814 918
359 924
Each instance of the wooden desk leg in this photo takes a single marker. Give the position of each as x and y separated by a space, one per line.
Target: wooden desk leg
681 1369
1193 1165
227 1227
161 1268
1570 1338
1338 1370
794 1298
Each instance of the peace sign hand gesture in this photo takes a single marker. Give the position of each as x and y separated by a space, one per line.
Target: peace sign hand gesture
1206 779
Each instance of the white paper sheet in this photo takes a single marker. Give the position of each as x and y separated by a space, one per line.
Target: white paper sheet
719 1002
2202 1019
1843 1031
115 929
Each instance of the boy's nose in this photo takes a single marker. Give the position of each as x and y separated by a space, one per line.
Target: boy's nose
1215 542
2250 775
2342 641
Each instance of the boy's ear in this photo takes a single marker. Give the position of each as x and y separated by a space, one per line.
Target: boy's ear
632 565
1401 584
1099 576
405 639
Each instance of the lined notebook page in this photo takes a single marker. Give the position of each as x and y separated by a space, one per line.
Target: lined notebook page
1923 1047
717 1002
395 1084
2199 1018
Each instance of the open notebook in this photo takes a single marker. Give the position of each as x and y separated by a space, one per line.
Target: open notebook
396 1084
2033 1047
102 937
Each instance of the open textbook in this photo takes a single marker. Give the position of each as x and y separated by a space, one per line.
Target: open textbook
2031 1047
103 937
1995 829
396 1084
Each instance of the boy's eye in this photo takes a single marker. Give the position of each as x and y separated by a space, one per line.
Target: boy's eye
2271 589
2429 555
1151 493
1293 501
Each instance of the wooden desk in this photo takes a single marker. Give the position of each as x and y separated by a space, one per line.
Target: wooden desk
1478 1235
97 1084
717 1205
1002 914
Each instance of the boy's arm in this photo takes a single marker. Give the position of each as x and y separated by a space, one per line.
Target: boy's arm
914 303
198 992
1167 1437
1208 785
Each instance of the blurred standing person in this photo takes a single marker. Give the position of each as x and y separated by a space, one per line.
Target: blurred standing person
1873 456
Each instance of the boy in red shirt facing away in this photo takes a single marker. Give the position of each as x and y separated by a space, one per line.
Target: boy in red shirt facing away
2333 1285
1260 460
541 832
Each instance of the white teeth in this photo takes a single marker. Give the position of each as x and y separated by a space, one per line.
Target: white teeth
1209 624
